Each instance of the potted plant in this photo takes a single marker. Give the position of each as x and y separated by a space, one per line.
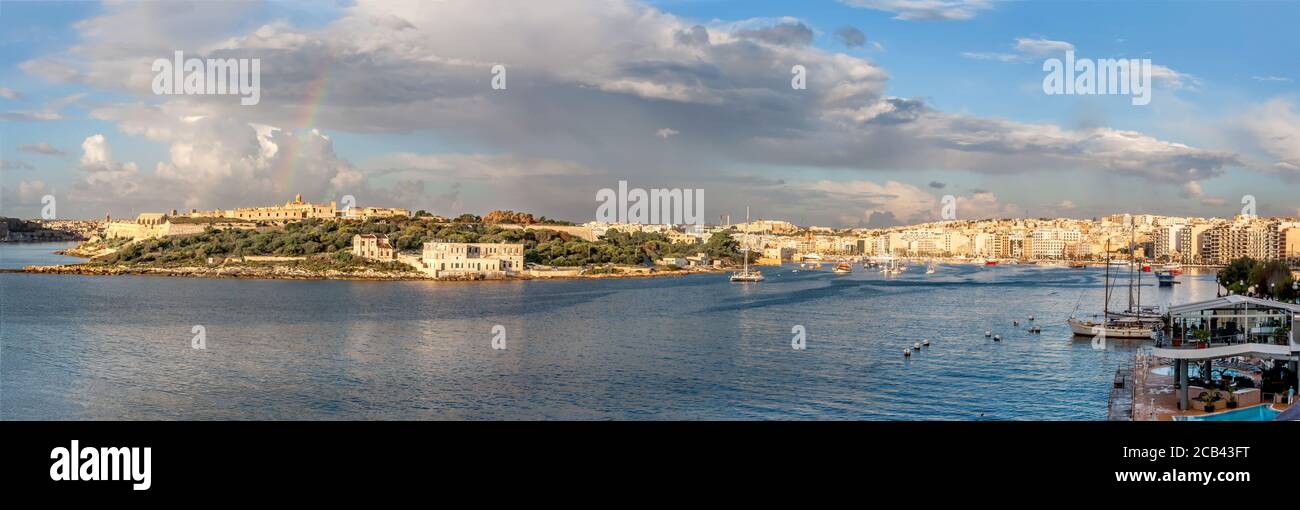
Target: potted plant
1232 397
1202 338
1207 398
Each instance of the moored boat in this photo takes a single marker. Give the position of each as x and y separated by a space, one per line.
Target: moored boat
746 275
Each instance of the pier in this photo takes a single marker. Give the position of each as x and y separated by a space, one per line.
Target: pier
1120 407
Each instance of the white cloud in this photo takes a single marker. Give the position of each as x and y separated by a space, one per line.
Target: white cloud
9 93
926 10
1041 47
40 148
576 101
1273 128
666 132
6 164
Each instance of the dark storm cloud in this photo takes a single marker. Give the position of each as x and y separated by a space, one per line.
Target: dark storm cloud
850 37
784 34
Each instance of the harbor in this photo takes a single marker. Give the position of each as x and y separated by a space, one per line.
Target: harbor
689 347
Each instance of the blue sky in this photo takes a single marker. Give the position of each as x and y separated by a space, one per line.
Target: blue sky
1228 111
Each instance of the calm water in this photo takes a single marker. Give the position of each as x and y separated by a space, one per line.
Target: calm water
693 347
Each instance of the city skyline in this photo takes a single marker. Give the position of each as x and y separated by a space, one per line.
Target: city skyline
695 95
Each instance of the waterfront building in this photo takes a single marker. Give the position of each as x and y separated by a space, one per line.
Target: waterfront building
373 247
1291 244
492 260
1228 327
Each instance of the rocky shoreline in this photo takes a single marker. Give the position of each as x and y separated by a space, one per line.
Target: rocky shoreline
289 273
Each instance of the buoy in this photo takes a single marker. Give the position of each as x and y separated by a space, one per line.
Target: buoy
925 343
1031 317
1015 323
907 352
988 334
997 338
916 346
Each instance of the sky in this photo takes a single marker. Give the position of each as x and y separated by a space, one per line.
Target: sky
906 102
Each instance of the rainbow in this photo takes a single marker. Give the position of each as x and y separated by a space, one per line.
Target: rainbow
284 174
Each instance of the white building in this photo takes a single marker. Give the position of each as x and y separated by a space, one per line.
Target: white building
491 260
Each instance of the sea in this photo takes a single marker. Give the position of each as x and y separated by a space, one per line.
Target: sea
806 344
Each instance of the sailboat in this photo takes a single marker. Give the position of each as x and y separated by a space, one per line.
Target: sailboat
1113 324
929 268
745 275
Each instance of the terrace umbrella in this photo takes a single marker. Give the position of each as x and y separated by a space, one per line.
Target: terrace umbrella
1292 414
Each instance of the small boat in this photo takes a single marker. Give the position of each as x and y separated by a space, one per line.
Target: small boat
1146 268
842 268
929 268
1078 265
1174 269
990 263
1165 278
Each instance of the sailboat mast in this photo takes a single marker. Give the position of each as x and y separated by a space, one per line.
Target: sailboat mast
745 249
1106 307
1131 263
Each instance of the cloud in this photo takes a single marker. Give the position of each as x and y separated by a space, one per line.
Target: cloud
1273 129
783 34
49 112
850 37
30 116
1066 205
24 200
871 203
666 132
926 10
1192 189
984 55
1041 47
1271 78
1026 49
40 148
575 117
1173 79
9 93
6 164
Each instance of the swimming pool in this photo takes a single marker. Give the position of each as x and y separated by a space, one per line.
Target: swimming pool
1195 371
1263 412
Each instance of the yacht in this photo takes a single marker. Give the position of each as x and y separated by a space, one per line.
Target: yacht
746 275
1136 322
